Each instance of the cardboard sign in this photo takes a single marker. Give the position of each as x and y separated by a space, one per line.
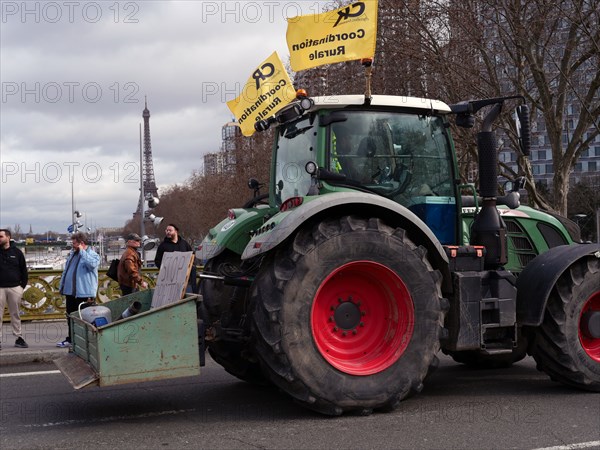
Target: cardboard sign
172 278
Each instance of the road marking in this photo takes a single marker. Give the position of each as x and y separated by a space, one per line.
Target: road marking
28 374
590 444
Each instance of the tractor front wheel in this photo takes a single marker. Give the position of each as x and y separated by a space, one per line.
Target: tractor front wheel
347 316
225 307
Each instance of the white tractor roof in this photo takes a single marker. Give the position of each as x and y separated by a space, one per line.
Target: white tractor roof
341 101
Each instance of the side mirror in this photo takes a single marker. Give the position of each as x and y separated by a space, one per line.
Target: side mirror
253 183
514 186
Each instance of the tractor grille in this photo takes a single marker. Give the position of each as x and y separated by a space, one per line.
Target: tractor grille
513 227
521 244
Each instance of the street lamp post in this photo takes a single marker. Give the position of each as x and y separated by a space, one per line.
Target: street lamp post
142 197
598 225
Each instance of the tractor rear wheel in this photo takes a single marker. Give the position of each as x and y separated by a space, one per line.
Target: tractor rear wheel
347 316
226 307
563 346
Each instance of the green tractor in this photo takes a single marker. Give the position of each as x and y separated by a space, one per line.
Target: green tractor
368 256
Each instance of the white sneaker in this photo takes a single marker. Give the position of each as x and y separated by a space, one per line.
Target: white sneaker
64 344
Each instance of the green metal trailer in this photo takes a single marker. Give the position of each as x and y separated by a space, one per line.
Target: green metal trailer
155 344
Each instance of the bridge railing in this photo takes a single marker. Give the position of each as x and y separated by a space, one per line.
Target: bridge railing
41 299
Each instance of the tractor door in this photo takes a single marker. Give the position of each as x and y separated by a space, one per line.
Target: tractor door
404 156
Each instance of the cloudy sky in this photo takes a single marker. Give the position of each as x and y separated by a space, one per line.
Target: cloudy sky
74 77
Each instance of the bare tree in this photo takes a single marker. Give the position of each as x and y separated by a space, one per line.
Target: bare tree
584 200
201 202
549 52
17 231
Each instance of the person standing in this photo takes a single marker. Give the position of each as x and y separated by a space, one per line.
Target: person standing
13 280
79 281
130 266
175 243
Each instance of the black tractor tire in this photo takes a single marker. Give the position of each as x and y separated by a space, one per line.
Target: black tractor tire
560 345
225 305
347 316
217 296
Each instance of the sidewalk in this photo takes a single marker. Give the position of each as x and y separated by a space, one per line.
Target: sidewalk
41 335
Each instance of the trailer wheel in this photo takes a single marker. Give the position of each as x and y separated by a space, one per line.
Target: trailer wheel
225 306
563 346
347 316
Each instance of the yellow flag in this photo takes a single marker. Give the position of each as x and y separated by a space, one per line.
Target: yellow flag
343 34
268 89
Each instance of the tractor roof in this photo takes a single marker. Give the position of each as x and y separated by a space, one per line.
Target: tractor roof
342 101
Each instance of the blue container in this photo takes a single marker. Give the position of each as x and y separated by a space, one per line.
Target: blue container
100 322
439 213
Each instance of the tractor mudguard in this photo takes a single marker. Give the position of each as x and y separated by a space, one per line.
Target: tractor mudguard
232 234
539 277
283 225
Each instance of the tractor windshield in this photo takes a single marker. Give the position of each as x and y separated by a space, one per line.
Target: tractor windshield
404 156
397 155
296 144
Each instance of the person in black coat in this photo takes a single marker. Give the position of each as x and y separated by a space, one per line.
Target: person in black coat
13 280
175 243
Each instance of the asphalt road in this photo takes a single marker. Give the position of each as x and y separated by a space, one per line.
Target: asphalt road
458 409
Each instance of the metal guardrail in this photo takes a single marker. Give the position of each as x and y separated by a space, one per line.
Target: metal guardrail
41 299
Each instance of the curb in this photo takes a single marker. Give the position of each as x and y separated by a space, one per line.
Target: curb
41 337
30 356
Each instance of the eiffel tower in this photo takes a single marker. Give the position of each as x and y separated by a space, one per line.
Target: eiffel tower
147 167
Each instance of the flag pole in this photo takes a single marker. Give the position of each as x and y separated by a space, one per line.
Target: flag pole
368 63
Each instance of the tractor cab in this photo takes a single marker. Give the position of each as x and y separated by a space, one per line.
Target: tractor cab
402 152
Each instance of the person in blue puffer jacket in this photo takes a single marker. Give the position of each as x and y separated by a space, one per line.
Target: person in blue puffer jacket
79 281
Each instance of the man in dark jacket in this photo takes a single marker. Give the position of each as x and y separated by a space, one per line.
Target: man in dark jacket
175 243
13 280
130 266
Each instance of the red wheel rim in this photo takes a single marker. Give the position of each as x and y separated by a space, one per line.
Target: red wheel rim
590 344
362 318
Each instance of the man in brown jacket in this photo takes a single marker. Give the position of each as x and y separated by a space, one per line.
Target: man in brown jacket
129 273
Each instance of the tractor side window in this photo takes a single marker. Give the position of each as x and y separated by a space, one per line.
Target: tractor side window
422 146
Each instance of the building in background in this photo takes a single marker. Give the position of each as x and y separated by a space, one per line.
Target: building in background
223 161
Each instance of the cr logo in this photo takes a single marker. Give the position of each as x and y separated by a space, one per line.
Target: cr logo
264 72
345 14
